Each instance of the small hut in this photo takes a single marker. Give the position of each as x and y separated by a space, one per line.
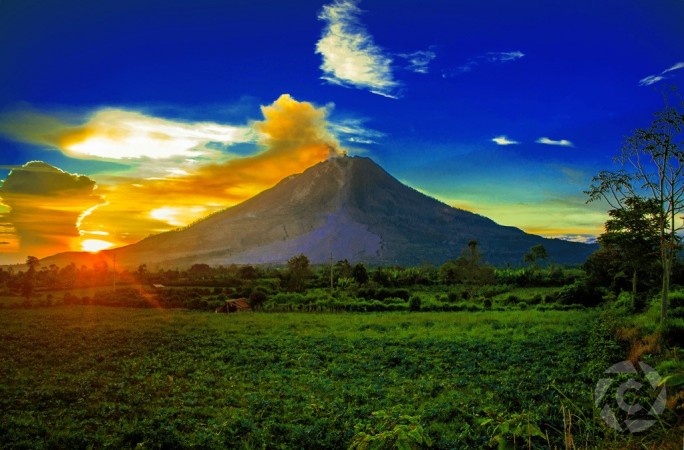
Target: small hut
235 305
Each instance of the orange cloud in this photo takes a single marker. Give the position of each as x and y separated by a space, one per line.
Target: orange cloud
45 206
293 136
61 216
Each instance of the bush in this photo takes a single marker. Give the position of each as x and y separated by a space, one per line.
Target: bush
623 302
673 332
415 303
70 299
676 299
512 299
257 298
454 296
579 293
677 312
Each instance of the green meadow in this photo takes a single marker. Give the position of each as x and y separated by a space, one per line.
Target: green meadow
99 377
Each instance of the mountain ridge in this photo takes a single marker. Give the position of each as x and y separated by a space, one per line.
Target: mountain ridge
348 206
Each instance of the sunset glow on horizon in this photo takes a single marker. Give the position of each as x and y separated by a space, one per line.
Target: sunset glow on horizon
95 245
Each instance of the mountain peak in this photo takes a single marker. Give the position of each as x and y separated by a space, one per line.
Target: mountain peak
349 206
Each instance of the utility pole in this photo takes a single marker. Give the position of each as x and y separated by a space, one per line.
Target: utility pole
331 271
114 277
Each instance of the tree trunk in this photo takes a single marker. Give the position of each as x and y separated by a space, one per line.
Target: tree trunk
634 289
665 290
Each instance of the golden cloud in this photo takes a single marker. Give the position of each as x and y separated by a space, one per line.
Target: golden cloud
116 134
293 136
45 207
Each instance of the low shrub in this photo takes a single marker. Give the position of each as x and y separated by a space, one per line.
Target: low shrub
536 299
579 293
676 299
512 299
415 303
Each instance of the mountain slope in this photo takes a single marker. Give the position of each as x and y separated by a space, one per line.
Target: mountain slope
350 207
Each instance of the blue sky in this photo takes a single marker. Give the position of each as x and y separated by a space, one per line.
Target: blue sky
504 108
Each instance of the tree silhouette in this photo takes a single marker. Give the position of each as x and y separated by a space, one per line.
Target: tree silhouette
298 270
536 253
633 231
652 161
468 270
28 283
360 274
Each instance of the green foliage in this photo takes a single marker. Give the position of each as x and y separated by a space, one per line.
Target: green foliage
345 282
298 270
415 303
127 378
579 293
646 195
389 431
360 274
537 253
673 331
257 298
510 428
538 277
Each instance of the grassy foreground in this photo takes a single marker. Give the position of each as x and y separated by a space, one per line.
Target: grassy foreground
78 377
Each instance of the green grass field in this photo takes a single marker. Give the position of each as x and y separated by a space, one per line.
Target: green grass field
80 377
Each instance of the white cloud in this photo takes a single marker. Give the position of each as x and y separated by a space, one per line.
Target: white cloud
178 216
503 140
649 80
488 58
679 65
501 57
120 134
561 142
419 61
652 79
358 140
581 238
350 56
355 130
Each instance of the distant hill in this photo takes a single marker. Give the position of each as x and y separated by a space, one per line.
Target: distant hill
348 206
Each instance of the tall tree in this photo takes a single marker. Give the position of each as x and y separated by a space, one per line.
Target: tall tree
634 233
537 252
298 270
28 283
360 274
652 161
468 270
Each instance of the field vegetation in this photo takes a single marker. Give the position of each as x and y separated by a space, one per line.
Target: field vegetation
89 376
395 358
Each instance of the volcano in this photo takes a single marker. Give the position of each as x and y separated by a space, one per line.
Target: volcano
348 207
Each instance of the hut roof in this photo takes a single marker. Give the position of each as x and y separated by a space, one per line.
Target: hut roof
240 303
